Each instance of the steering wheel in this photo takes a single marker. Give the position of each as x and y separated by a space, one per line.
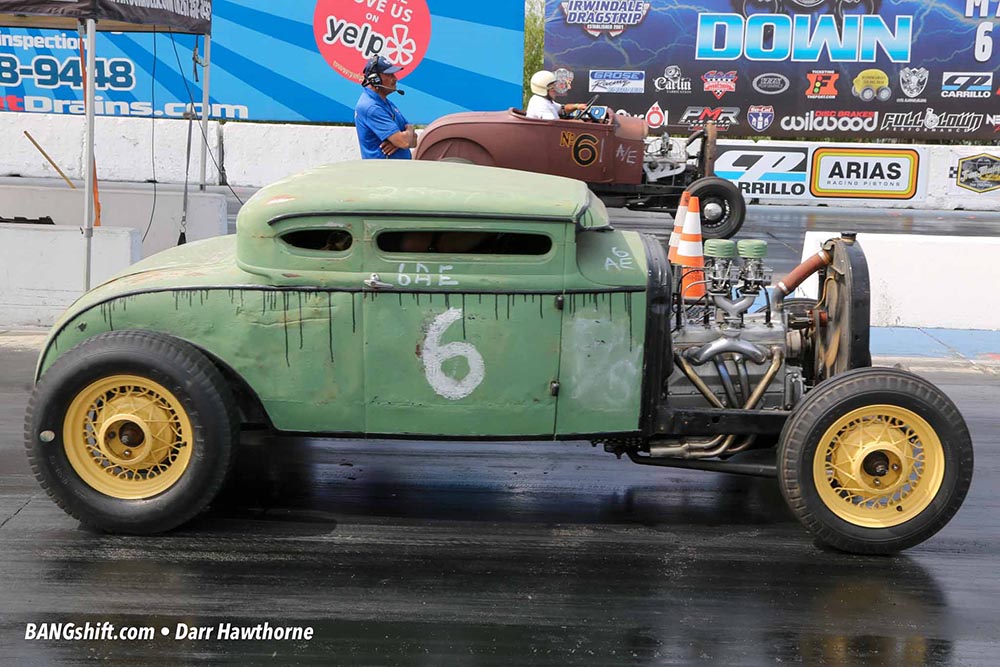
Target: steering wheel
586 109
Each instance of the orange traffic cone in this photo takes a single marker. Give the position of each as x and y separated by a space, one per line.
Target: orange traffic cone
690 254
679 218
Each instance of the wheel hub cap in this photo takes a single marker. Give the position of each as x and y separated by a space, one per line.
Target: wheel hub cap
127 437
712 211
878 466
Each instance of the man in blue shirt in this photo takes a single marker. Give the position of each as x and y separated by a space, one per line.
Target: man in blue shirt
382 129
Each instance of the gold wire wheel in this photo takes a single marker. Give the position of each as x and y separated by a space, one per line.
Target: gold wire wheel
127 437
878 466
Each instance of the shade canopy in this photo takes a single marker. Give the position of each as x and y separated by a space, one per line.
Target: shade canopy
186 16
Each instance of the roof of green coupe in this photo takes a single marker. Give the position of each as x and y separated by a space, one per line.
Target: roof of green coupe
417 187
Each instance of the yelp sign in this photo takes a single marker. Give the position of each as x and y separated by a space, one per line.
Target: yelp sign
349 32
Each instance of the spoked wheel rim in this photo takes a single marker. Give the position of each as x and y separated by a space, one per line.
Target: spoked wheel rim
879 466
127 437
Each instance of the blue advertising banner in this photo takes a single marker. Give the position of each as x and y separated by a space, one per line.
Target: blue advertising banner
786 68
297 60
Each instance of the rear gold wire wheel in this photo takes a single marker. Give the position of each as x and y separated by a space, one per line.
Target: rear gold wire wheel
879 466
127 437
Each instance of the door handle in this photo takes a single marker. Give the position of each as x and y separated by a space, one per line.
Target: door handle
374 282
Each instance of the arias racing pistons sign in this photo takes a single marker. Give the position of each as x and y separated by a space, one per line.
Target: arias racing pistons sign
349 32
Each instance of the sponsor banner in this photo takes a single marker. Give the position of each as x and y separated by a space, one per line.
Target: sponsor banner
977 173
183 15
617 81
297 60
899 69
767 172
866 173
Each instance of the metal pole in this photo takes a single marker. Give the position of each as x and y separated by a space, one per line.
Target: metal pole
88 193
205 109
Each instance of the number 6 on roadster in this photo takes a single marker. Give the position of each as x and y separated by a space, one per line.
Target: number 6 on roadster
429 299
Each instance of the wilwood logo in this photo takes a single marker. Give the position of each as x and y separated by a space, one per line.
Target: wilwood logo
600 16
723 117
765 172
967 84
832 121
349 33
869 173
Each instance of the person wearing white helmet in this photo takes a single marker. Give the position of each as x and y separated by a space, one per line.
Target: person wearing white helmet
542 104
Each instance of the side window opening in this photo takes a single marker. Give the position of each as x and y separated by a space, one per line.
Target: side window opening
468 243
329 240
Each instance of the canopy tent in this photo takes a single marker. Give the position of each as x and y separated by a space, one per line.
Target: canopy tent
183 16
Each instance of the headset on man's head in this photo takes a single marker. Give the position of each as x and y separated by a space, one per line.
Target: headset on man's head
372 77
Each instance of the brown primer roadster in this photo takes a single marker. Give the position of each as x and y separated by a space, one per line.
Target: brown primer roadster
611 152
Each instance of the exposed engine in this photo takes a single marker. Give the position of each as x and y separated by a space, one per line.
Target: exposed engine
731 348
664 157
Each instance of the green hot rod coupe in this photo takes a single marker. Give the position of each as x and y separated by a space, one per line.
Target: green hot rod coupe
438 300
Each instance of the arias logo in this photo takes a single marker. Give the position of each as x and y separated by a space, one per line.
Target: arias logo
349 33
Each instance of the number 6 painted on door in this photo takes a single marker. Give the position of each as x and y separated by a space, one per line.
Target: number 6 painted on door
434 355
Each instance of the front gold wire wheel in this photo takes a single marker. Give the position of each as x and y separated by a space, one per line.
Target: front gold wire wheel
879 466
127 437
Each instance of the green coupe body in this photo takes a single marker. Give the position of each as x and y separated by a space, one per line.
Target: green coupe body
476 342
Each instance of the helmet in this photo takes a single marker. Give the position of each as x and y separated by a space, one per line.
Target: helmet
375 68
540 82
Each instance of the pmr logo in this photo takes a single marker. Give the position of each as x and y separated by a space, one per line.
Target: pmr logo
723 117
760 116
600 16
979 173
822 84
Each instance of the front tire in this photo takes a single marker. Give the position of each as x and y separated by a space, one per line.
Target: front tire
723 208
875 460
132 432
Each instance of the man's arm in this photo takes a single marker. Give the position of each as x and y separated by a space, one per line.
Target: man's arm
406 138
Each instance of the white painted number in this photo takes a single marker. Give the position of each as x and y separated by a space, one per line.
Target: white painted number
984 42
621 261
435 354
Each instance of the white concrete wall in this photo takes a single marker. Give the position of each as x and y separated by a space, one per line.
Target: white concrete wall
924 281
258 154
255 154
124 147
42 268
122 208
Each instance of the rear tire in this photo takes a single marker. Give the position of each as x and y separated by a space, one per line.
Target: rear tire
875 460
719 194
132 432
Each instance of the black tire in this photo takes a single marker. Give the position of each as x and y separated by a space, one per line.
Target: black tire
144 379
936 495
712 191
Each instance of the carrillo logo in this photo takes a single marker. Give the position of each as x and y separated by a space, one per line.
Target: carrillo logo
771 83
